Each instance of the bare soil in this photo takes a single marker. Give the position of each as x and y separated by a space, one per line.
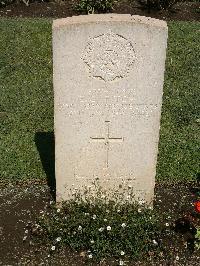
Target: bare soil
22 204
185 11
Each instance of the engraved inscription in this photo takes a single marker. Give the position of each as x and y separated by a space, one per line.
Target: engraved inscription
135 110
109 56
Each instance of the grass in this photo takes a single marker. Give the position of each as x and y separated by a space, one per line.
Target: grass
26 95
26 108
179 135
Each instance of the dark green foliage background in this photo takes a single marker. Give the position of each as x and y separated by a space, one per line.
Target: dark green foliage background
95 6
26 95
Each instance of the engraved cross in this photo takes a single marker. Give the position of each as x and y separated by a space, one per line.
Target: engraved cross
107 140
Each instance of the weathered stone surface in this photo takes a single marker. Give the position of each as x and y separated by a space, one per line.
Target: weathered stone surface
108 80
109 56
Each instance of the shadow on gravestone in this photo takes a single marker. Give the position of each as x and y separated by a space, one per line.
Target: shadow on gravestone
46 147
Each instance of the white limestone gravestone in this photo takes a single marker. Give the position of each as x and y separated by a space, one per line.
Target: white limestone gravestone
108 82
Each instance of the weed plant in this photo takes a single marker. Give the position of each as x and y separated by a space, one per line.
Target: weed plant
158 4
103 228
94 6
197 238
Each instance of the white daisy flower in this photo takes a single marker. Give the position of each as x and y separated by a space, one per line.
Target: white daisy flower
155 242
123 225
58 210
94 217
90 256
80 228
58 239
122 253
108 228
141 202
92 241
53 248
101 229
121 262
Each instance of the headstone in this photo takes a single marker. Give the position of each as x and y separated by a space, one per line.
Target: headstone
108 85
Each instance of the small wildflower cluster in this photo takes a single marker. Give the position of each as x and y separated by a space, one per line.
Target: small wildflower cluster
25 235
102 228
57 240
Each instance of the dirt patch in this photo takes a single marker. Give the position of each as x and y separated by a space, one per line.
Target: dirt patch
186 11
20 206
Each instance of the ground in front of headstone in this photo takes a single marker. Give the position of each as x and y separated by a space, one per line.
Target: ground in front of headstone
24 242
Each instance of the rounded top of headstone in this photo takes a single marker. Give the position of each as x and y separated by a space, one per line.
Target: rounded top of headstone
96 18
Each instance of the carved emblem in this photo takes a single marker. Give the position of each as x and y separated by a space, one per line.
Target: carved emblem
109 56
